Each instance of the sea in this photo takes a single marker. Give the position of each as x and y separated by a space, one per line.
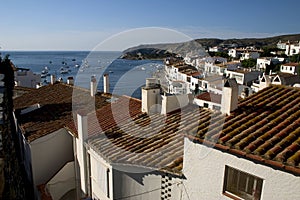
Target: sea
126 76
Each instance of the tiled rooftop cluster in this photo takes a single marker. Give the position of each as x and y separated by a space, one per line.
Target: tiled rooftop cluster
187 69
55 108
138 139
265 128
209 96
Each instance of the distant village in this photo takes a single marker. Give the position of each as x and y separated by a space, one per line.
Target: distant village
224 126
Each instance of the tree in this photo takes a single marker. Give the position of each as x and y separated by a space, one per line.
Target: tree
249 63
295 58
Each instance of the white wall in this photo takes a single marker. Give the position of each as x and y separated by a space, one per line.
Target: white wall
239 77
49 153
204 168
139 184
27 79
211 105
62 182
98 174
173 102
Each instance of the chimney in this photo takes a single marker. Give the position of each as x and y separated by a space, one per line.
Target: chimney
173 102
151 96
229 100
93 86
82 124
70 81
106 83
52 79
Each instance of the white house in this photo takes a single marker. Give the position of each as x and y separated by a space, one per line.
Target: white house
242 156
292 48
118 158
243 76
235 53
26 78
263 62
42 114
290 68
182 78
285 79
249 54
262 82
215 65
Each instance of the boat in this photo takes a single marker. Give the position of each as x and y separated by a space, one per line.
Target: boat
45 70
64 71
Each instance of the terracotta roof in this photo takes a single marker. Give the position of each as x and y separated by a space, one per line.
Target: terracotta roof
288 79
209 96
291 64
154 142
122 134
265 128
55 108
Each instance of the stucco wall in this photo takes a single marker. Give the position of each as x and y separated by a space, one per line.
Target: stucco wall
62 182
204 168
134 183
49 154
98 173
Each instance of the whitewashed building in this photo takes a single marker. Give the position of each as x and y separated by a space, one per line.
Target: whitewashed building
239 156
243 76
26 78
290 68
263 62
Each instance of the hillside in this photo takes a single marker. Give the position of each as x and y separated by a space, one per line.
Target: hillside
258 42
160 51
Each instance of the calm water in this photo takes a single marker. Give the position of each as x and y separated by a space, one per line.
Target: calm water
126 76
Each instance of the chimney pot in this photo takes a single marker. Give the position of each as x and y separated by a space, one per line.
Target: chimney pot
52 79
93 86
106 83
70 81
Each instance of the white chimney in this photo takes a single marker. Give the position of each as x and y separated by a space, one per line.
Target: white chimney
151 98
173 102
93 86
106 83
82 124
52 79
70 81
229 100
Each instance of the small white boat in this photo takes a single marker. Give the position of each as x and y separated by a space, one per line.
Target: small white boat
45 70
64 71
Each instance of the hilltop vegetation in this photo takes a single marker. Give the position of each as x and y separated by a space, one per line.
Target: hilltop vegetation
160 51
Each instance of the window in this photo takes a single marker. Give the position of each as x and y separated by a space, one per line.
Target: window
188 79
241 184
205 105
276 79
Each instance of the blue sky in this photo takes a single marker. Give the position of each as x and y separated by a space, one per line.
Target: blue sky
82 24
